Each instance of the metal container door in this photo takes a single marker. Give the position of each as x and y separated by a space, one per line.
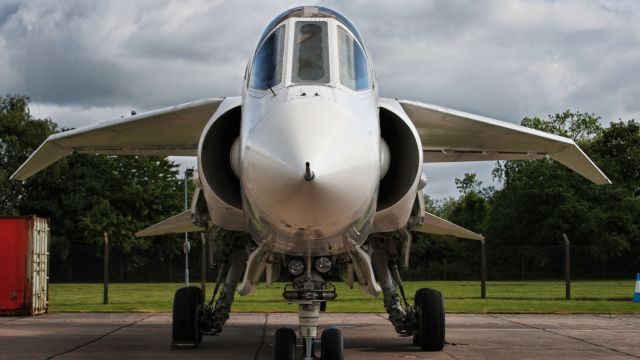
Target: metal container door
39 265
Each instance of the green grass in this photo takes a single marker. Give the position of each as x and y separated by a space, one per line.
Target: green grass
608 297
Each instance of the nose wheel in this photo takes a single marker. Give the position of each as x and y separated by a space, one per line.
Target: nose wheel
331 347
285 344
332 344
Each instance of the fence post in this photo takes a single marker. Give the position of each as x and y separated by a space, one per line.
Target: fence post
105 293
483 270
186 247
444 268
203 266
567 266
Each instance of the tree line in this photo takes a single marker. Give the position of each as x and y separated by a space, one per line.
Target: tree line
87 195
524 220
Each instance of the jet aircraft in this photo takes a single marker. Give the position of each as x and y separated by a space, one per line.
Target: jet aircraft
311 173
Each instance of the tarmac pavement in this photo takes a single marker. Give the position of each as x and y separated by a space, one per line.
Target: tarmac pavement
366 336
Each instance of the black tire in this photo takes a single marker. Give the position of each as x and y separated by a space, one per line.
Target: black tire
332 344
187 307
285 344
429 306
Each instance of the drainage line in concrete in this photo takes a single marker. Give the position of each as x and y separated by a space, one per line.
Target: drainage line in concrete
569 337
99 337
264 334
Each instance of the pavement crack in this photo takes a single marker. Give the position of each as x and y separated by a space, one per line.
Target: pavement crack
382 316
262 338
16 319
569 337
628 321
449 355
99 337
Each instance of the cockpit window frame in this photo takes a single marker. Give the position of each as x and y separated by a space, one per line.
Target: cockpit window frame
318 12
333 25
282 68
369 73
326 45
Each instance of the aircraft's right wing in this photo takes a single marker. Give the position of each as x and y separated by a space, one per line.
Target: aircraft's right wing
449 135
171 131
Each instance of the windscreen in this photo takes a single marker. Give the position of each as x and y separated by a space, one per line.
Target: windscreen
310 52
354 71
267 66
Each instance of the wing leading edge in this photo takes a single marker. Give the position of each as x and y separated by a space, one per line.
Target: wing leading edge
449 135
436 225
171 131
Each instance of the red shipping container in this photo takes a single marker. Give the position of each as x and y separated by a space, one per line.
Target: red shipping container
24 260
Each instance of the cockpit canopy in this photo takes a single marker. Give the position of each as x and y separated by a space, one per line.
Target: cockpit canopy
310 45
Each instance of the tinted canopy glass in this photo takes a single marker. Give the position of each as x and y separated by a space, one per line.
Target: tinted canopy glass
310 52
267 65
354 71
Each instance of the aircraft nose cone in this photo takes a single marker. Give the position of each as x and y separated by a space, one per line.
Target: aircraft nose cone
310 167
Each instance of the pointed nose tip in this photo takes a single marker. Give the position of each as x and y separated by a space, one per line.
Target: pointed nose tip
308 173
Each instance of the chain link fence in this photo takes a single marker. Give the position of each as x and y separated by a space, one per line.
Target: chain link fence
527 273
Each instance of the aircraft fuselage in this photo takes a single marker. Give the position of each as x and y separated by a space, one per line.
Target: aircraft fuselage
314 121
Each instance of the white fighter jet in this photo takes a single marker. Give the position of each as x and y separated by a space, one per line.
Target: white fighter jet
310 171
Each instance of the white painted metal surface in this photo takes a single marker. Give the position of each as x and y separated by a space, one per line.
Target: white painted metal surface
38 266
451 135
437 225
170 131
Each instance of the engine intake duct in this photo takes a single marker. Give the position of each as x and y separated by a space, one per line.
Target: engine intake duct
215 158
404 162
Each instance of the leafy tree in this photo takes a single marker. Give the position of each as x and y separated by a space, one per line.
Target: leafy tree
542 199
20 135
468 184
87 195
429 252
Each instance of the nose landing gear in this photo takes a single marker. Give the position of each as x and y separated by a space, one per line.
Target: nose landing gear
310 292
332 345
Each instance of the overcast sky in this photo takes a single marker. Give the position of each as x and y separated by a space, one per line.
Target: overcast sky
83 62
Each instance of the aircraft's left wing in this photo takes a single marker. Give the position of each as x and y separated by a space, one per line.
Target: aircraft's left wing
176 224
171 131
436 225
449 135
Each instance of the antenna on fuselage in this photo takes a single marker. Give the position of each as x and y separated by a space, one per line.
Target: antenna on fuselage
308 174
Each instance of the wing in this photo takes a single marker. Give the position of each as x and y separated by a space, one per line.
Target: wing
449 135
176 224
171 131
435 225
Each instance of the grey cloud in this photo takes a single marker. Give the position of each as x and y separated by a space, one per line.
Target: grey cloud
7 9
84 60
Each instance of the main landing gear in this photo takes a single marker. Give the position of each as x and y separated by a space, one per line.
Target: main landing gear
425 320
192 317
187 313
